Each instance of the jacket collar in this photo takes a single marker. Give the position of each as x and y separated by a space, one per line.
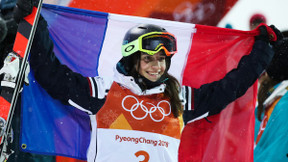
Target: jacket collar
279 91
129 83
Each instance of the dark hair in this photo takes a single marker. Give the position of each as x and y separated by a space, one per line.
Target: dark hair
172 92
267 84
172 85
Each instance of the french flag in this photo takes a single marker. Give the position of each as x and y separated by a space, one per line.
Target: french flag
89 43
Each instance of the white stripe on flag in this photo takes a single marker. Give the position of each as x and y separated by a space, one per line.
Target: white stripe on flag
118 25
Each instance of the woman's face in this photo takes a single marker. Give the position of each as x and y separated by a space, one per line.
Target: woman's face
152 67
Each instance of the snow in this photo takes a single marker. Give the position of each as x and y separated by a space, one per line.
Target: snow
275 11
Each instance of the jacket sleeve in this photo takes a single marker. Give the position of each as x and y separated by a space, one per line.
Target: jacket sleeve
58 80
212 98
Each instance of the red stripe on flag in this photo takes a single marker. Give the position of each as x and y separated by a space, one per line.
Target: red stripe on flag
230 134
215 47
227 137
31 18
4 108
20 44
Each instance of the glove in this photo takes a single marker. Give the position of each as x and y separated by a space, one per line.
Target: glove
277 69
23 8
11 69
276 44
264 36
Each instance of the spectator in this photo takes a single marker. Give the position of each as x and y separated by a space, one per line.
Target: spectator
229 26
8 30
256 19
3 29
272 112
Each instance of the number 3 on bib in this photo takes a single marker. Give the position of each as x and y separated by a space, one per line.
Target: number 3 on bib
144 153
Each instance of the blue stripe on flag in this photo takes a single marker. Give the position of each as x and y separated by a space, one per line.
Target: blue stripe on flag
77 35
48 127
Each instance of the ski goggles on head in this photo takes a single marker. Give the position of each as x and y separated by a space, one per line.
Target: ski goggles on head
151 43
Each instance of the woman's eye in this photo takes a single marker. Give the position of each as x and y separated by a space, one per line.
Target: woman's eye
147 59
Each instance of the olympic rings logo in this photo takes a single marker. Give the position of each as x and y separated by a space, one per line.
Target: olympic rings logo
147 111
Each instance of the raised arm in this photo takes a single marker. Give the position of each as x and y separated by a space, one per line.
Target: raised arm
212 98
57 79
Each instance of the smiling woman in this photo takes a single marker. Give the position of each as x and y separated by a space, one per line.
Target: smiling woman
149 60
152 67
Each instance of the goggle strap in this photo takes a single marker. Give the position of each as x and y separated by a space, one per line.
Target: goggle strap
130 48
